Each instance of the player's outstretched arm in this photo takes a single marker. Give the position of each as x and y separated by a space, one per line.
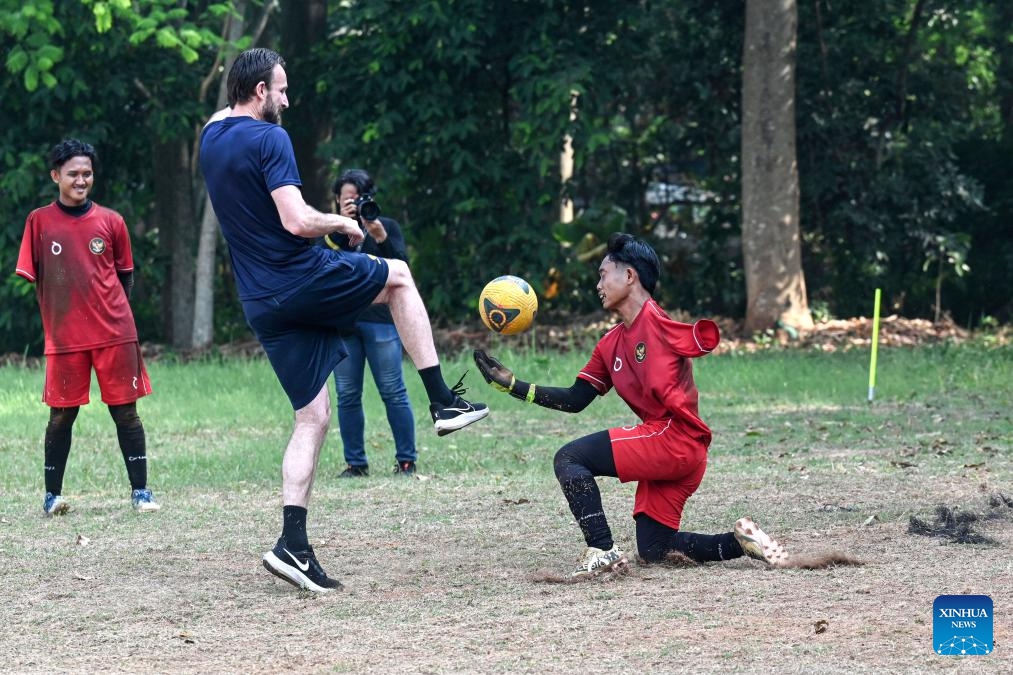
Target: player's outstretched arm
573 399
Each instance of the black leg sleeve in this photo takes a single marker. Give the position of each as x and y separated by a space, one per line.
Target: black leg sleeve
655 540
57 446
576 465
130 433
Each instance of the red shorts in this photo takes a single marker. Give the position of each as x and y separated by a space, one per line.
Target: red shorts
119 370
667 464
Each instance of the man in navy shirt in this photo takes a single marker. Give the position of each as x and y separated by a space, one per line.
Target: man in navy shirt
298 297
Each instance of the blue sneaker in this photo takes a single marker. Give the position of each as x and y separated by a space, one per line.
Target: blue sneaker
143 501
54 505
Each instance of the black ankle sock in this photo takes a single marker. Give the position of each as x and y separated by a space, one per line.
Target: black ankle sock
436 387
133 447
584 498
293 528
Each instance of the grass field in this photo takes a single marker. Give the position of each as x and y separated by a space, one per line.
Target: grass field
449 573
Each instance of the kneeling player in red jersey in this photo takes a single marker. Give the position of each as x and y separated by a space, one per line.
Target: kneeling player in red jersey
646 359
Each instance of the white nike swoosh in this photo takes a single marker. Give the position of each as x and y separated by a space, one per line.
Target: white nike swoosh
303 567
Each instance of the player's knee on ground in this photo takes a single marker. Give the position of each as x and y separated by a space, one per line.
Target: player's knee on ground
125 416
654 540
62 419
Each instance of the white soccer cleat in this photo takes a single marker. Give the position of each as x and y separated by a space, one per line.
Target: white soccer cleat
757 544
596 561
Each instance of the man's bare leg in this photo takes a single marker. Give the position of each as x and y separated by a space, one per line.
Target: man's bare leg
448 409
303 450
410 315
292 559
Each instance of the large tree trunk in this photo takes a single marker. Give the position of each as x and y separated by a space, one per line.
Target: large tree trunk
176 232
771 248
204 291
303 25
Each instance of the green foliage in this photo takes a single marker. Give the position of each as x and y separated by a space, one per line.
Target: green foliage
125 77
460 109
886 200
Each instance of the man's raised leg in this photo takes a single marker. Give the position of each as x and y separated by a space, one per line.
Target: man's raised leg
448 409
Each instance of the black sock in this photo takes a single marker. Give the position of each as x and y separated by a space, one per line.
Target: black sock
436 387
59 432
293 528
130 433
584 498
133 447
655 539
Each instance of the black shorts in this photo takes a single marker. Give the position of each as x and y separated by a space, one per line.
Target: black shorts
301 332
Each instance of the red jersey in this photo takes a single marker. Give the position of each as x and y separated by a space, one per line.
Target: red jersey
648 365
73 260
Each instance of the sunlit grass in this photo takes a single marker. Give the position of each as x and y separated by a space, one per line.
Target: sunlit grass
220 422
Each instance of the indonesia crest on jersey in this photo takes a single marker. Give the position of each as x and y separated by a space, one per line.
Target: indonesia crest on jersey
648 364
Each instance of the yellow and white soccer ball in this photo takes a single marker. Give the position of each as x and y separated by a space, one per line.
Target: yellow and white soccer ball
508 305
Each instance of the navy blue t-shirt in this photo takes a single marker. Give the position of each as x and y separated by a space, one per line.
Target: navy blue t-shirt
243 160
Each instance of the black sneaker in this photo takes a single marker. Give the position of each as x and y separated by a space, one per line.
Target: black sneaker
406 469
459 414
299 568
354 472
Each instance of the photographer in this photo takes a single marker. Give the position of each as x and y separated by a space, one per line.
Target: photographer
374 338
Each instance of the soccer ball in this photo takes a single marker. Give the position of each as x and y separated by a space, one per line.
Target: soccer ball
508 305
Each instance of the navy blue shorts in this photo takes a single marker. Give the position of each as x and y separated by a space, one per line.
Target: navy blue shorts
301 332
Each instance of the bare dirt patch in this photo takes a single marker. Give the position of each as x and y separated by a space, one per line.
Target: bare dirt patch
447 575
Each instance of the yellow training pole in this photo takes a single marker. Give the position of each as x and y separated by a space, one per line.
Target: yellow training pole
875 347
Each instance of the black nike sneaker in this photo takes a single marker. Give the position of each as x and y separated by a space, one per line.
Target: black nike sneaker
459 414
299 568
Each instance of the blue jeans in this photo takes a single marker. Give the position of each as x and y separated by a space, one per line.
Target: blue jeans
379 344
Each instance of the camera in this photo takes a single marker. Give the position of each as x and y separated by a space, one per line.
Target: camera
367 208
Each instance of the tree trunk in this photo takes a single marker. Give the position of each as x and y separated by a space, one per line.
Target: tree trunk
207 243
303 25
771 248
566 166
174 216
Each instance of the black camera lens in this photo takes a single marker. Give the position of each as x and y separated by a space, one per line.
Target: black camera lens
368 209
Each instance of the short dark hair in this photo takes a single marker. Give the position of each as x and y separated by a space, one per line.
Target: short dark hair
357 177
251 67
69 148
626 249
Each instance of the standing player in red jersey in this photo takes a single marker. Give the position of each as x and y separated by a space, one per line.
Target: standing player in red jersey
77 254
646 359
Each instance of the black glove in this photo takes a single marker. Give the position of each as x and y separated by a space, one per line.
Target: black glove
494 372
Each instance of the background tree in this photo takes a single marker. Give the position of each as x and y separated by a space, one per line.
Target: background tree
775 286
461 110
211 267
